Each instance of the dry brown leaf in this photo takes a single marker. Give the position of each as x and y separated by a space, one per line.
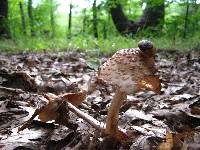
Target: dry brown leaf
149 83
168 145
50 111
74 98
50 96
122 136
195 110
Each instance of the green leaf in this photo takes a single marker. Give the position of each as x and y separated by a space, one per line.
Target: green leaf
93 63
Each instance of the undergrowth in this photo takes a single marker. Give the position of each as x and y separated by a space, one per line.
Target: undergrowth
91 45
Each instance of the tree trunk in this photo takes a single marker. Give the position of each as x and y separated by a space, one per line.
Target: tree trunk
153 16
94 10
186 20
104 31
84 21
195 8
4 29
23 22
70 20
30 14
121 22
52 20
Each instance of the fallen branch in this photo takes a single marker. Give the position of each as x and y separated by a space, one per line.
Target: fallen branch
120 133
52 107
10 90
89 119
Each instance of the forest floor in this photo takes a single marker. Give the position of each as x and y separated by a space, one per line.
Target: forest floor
167 121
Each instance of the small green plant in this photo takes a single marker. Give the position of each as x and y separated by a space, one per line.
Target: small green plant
92 46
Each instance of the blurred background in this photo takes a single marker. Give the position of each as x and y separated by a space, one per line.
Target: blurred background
98 25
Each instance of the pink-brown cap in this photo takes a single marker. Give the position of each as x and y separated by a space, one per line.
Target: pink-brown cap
126 67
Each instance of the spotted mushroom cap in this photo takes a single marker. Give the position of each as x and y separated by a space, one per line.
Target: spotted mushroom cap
127 66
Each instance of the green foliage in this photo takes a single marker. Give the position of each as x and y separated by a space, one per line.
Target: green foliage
93 47
41 17
109 40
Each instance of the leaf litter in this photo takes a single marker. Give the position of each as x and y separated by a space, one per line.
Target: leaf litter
36 92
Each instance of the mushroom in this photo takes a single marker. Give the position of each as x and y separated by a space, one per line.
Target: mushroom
129 71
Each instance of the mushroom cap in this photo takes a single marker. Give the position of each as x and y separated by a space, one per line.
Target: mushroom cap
126 67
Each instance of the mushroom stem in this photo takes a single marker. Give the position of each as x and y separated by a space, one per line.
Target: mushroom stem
113 112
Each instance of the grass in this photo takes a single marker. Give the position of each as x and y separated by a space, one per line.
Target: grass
87 44
93 46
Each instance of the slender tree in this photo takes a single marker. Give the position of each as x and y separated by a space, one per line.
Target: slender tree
52 20
84 20
23 21
194 7
104 30
186 19
70 19
30 15
95 23
4 29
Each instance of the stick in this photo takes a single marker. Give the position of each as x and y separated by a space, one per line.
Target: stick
93 122
10 90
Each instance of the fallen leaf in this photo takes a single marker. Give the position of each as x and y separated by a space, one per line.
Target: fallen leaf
122 136
1 146
49 112
168 145
93 63
74 98
151 83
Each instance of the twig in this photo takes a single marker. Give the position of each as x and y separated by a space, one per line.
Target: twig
10 90
93 122
120 133
27 124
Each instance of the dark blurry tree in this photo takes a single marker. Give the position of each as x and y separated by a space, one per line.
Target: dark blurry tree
194 16
153 16
23 21
95 21
70 20
4 29
186 19
30 15
52 20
